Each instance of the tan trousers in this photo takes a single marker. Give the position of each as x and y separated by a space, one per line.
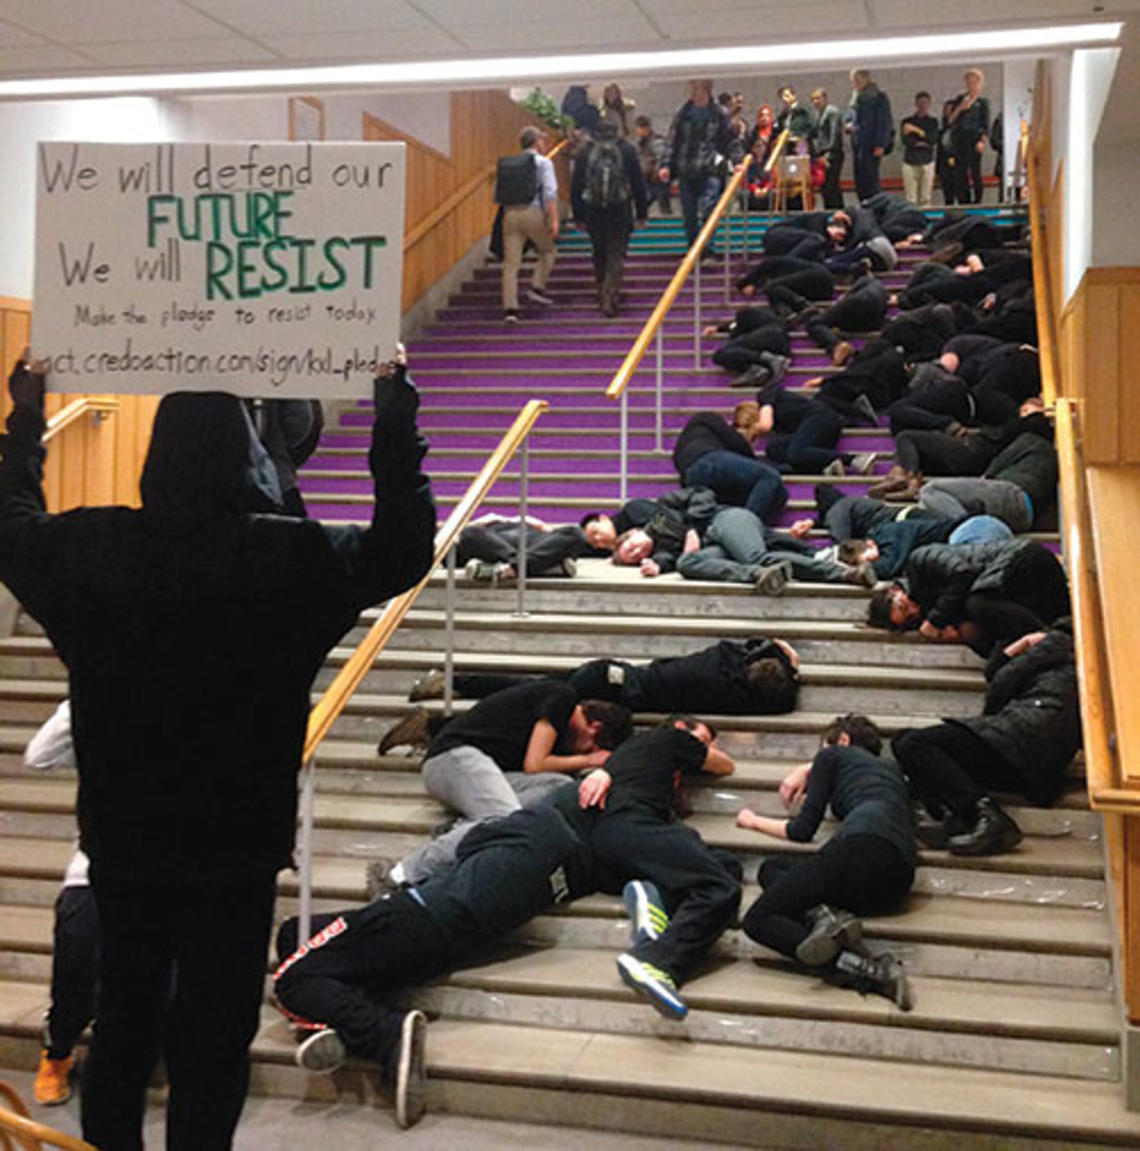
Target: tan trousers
522 222
918 183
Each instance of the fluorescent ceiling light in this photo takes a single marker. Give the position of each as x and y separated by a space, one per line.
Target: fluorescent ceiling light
502 70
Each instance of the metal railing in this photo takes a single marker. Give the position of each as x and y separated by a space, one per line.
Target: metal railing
653 331
98 406
348 679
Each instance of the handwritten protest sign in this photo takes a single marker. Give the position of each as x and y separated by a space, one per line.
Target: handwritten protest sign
264 269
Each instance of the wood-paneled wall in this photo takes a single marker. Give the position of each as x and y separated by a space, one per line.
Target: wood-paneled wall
88 462
448 198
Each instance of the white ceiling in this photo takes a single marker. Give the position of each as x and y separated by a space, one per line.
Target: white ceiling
51 37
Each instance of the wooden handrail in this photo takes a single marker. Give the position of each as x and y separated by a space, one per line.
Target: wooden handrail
67 415
470 186
29 1132
1101 769
348 679
778 149
1047 342
641 345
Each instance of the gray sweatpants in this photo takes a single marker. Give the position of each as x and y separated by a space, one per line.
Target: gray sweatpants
965 496
472 783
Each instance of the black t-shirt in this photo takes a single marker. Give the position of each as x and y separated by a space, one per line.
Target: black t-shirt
713 680
920 149
867 793
645 769
501 725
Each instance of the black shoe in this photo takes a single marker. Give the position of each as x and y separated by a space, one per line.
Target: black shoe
776 364
866 409
936 833
993 833
831 933
875 975
755 376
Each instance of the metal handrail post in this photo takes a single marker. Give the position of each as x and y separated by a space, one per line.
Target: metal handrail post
449 633
660 385
524 485
726 222
623 444
697 312
308 796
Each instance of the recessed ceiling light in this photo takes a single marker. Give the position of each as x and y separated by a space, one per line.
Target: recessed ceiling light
987 42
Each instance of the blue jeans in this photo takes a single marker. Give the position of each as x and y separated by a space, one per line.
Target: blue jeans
742 481
980 530
735 547
699 195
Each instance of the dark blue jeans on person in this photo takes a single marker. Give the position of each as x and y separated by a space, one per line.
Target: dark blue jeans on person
698 198
742 481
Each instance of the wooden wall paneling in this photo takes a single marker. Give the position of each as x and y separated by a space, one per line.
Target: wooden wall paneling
1126 354
1099 320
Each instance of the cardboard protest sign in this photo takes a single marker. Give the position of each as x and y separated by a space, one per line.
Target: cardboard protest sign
264 269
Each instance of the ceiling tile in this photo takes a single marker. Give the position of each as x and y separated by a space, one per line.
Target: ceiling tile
505 13
13 37
690 23
180 53
920 14
38 59
268 19
68 22
389 44
558 34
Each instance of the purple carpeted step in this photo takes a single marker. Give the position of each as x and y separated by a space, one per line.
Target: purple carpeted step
566 353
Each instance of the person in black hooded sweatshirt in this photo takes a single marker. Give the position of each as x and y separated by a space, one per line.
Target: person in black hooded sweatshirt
192 629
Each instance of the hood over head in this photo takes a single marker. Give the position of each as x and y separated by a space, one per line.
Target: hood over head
204 463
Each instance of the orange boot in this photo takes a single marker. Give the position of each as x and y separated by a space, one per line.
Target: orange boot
53 1084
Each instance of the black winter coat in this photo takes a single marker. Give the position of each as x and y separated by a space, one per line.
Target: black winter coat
192 629
940 577
1032 719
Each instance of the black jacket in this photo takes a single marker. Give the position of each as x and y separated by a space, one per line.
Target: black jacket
1030 461
676 513
192 628
940 577
1032 718
703 433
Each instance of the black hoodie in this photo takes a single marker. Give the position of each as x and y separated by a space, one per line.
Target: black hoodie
192 628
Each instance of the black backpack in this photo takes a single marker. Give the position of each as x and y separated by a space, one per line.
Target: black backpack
607 183
516 179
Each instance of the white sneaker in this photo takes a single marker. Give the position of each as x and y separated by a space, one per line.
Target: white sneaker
538 296
322 1053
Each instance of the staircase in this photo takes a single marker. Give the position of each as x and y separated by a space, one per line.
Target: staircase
1015 1037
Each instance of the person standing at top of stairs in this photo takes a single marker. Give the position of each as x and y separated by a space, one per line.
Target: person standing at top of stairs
192 629
527 190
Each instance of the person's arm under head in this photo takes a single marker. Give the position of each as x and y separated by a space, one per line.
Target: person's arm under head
540 754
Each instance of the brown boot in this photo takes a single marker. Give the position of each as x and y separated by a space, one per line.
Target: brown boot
411 731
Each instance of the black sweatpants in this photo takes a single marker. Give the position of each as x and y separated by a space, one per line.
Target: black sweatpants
744 350
808 432
700 895
74 964
950 769
796 290
863 874
499 543
214 934
938 454
354 961
862 309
